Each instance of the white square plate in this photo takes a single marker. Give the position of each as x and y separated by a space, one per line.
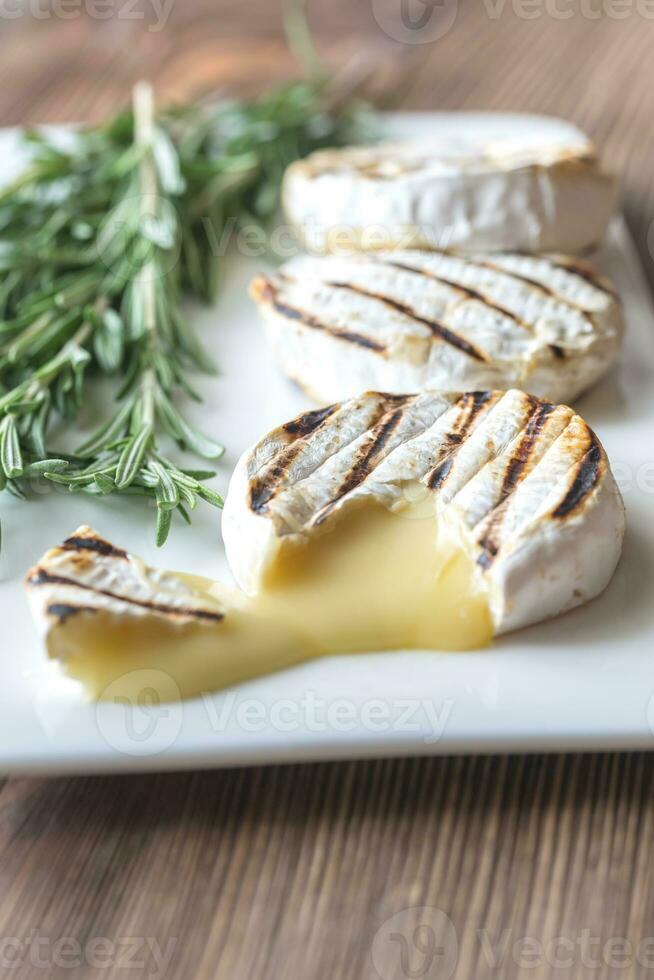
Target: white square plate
584 681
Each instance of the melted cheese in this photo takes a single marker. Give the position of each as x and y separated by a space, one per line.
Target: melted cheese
369 579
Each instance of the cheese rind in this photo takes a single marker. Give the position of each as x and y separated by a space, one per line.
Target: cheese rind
407 321
548 193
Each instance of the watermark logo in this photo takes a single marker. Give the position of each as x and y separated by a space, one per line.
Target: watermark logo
141 713
415 21
416 944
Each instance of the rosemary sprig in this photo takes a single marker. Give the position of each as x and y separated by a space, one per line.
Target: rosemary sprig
101 240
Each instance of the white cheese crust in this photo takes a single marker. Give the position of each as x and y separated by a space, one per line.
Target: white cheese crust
525 486
408 321
540 194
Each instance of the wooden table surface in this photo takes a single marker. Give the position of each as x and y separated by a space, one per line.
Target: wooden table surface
534 866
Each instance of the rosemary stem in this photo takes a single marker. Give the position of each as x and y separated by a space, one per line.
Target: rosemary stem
47 372
149 193
148 188
149 387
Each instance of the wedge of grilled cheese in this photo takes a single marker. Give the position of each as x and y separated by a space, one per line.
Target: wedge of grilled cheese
388 522
113 623
543 192
407 321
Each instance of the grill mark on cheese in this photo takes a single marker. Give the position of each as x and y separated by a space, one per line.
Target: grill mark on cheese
264 487
438 329
264 291
40 576
518 466
305 424
62 611
368 457
540 425
468 408
536 284
91 543
524 321
583 271
587 475
468 291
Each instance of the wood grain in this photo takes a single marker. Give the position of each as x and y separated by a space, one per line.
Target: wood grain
300 872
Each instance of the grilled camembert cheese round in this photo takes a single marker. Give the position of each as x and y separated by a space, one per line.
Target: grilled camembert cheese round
409 320
521 486
539 191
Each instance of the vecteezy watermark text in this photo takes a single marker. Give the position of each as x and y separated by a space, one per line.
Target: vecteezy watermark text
428 21
423 944
319 715
567 9
153 12
144 954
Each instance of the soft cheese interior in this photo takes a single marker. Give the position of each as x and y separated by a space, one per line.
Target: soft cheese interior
373 579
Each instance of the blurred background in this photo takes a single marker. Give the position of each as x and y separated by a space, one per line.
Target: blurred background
292 870
587 60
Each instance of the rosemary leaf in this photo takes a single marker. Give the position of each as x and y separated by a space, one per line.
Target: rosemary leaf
132 457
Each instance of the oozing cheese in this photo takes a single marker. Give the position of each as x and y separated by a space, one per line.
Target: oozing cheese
371 580
116 656
378 580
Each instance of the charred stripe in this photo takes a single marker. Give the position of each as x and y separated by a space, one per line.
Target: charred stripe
307 423
62 611
440 473
96 545
437 329
369 457
42 577
265 291
264 488
516 469
585 272
519 462
535 284
586 478
468 291
468 408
